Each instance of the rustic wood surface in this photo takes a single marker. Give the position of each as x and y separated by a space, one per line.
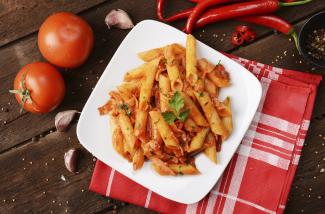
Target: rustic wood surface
34 179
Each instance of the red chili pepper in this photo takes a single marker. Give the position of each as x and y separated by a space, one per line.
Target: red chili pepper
186 13
273 22
246 33
242 29
181 15
160 9
236 39
199 9
243 9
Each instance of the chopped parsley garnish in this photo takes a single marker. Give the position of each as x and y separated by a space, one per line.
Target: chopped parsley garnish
176 103
126 108
169 117
219 62
183 115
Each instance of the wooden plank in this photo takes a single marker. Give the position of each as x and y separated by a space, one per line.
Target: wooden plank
20 18
106 42
33 183
308 190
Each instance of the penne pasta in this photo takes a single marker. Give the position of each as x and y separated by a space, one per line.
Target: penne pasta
211 114
152 54
161 167
183 169
128 133
146 87
195 113
140 126
191 63
227 120
211 88
219 76
129 88
164 130
117 137
191 126
198 140
138 159
142 70
164 89
172 69
211 150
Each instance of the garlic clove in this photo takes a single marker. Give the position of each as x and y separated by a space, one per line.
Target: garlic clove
70 160
118 18
63 119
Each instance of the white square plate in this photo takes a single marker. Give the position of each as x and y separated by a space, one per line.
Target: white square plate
94 131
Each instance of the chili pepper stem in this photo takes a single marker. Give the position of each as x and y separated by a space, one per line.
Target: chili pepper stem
295 38
287 4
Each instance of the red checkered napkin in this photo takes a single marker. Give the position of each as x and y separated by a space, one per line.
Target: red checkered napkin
259 176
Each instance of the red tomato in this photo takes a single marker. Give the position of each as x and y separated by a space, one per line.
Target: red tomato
39 87
65 40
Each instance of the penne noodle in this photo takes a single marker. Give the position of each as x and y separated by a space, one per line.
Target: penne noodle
138 159
117 137
129 88
219 76
142 70
198 140
140 126
172 69
178 49
205 66
195 113
155 136
128 133
164 130
191 63
152 54
183 169
164 89
146 87
211 88
190 125
211 150
227 120
211 114
161 167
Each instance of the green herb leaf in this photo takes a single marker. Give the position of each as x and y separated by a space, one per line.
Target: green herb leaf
180 170
169 117
201 94
176 102
219 62
126 108
184 115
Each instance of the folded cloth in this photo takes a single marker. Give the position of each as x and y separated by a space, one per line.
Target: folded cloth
259 176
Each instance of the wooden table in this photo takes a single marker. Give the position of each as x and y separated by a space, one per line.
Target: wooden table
31 151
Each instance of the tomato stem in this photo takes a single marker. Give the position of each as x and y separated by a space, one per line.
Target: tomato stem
24 92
